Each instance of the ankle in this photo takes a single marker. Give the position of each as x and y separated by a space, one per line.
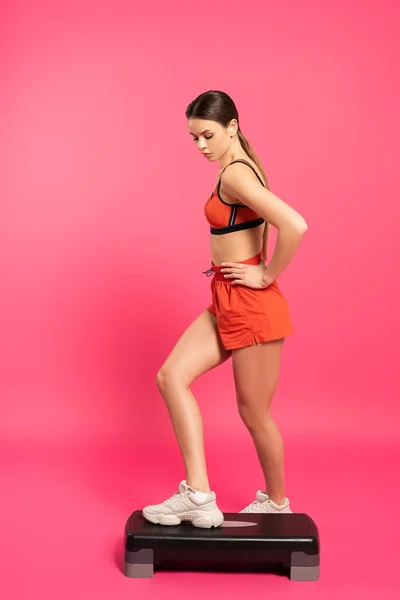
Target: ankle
279 500
198 486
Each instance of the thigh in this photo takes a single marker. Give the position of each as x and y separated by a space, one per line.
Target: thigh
256 373
198 350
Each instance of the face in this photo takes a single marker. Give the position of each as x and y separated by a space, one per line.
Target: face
211 138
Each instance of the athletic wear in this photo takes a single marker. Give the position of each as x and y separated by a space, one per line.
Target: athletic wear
247 316
184 505
226 218
263 504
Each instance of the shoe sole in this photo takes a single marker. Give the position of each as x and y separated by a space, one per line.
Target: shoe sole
267 512
206 521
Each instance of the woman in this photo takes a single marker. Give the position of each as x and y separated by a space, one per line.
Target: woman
248 319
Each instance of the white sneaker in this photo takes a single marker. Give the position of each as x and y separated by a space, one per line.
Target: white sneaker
184 506
263 504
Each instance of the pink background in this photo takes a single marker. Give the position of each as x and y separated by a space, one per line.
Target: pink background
103 244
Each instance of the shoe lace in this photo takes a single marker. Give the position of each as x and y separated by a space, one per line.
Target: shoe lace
255 506
174 498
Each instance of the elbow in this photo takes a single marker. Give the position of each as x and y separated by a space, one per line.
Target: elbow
301 227
297 227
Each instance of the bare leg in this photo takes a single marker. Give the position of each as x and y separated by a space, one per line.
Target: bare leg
256 372
198 350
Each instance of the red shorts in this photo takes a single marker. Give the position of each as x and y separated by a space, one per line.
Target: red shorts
247 316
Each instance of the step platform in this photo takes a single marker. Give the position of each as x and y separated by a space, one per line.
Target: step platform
285 544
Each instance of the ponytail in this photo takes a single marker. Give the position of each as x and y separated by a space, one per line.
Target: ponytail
250 152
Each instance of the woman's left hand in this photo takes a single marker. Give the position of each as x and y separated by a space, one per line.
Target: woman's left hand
252 276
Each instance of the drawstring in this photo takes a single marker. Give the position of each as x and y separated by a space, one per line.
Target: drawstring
209 272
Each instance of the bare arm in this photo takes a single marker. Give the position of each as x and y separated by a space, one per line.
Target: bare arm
240 183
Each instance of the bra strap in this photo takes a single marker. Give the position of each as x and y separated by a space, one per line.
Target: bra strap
245 162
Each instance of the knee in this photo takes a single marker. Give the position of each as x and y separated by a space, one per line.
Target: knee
167 377
163 377
253 416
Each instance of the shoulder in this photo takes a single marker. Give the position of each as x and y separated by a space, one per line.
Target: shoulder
242 183
248 170
239 177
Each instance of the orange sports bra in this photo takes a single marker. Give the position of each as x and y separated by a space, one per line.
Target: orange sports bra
226 218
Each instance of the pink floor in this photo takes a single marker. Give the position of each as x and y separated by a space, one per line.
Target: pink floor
64 510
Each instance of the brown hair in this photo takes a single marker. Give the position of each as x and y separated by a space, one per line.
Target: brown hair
218 106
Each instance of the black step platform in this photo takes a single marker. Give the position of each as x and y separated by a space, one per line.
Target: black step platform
286 544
